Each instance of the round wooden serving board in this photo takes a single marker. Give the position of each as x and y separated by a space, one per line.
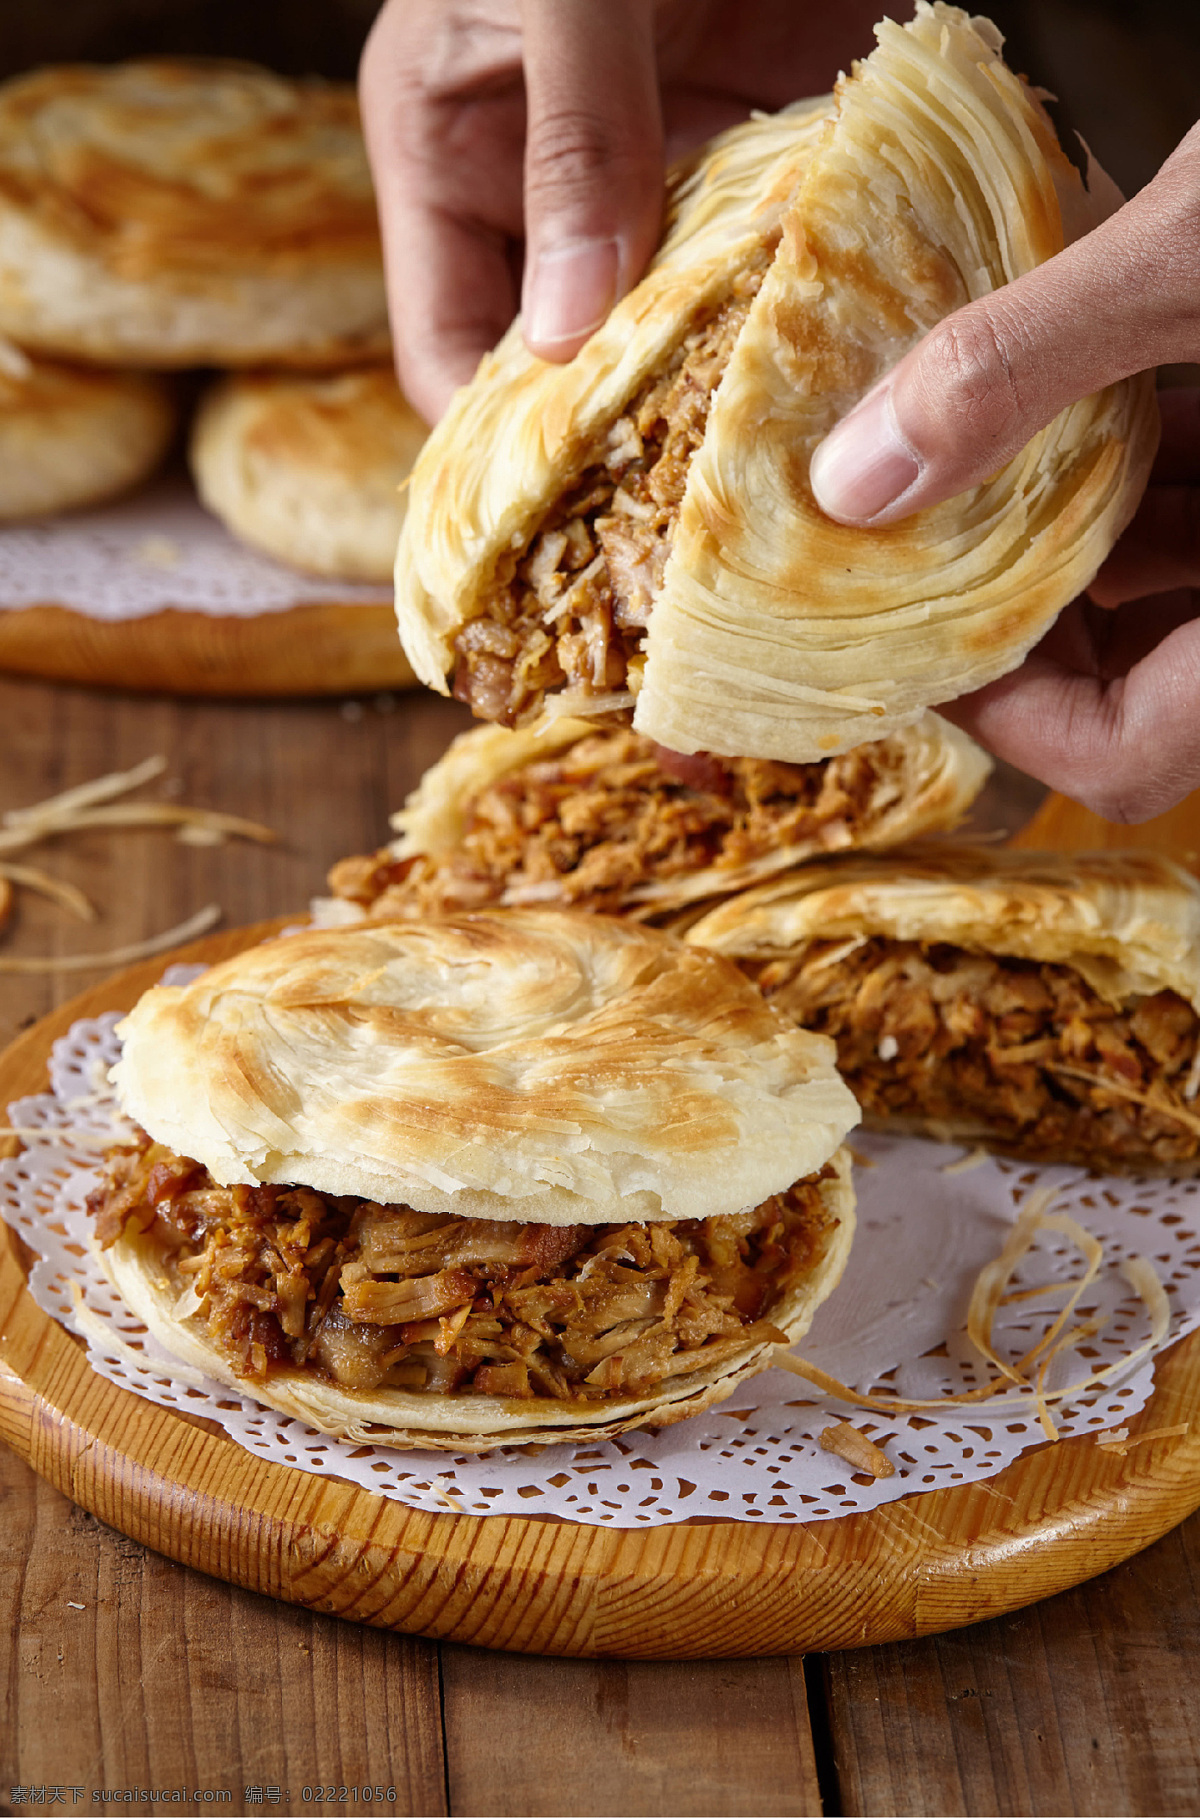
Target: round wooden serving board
915 1567
327 649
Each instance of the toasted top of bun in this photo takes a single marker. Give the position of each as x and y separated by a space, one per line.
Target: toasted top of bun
534 1065
309 467
161 165
775 632
1129 922
216 188
71 436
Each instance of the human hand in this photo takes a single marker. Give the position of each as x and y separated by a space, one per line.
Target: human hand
535 132
1107 707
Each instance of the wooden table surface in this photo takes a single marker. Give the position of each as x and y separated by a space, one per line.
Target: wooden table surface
165 1679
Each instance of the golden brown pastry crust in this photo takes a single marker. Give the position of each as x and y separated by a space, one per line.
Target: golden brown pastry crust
475 1423
777 633
72 436
171 212
1128 922
310 468
543 1066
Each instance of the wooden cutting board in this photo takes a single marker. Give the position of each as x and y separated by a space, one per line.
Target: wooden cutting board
915 1567
327 649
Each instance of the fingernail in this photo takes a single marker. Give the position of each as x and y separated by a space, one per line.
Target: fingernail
865 464
570 292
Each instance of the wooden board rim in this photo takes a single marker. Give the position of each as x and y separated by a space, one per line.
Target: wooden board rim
332 648
916 1567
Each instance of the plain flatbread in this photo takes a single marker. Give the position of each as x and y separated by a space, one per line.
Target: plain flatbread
72 436
310 467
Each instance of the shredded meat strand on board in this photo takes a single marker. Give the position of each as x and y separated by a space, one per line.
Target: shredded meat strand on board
936 1032
368 1295
571 612
613 814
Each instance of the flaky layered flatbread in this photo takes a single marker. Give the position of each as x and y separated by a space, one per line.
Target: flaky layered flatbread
636 531
176 211
462 1183
1042 1003
601 818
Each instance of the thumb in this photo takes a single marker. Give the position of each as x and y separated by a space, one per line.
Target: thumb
593 164
973 392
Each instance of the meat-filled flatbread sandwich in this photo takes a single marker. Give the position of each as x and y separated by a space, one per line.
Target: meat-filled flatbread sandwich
457 1184
602 818
1042 1003
635 532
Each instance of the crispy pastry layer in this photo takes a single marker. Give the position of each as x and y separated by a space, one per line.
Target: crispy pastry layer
1043 1003
310 468
525 1065
605 820
71 436
648 542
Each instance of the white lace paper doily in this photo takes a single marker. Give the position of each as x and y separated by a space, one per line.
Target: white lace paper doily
159 548
923 1235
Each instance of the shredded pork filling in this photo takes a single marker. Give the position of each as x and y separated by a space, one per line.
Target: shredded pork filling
372 1296
570 612
1029 1053
615 816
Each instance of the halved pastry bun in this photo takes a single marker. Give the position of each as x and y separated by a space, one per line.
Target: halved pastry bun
602 818
638 528
1041 1002
454 1118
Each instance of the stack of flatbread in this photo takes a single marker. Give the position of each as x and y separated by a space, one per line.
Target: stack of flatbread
161 215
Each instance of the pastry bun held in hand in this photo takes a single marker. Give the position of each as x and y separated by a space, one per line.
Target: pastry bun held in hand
635 532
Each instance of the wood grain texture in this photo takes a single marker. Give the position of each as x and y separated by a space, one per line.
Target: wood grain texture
915 1567
205 1686
326 649
626 1737
1087 1704
324 774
